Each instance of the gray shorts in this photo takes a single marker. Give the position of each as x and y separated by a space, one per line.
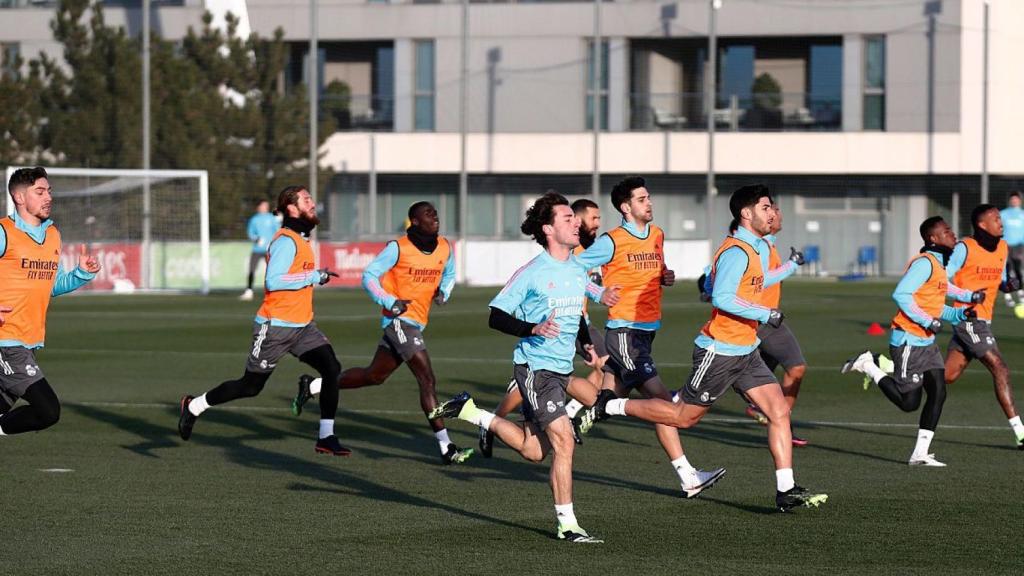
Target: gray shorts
713 374
270 343
973 338
1017 252
779 346
543 394
18 371
912 362
629 355
403 340
597 340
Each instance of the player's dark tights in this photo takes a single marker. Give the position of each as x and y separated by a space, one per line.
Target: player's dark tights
249 385
41 412
252 272
933 391
324 361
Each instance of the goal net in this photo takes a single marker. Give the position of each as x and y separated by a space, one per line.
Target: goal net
149 228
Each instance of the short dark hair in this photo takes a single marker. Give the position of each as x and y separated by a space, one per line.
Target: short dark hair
1015 193
928 225
542 212
583 204
25 177
288 196
623 191
747 196
416 207
980 211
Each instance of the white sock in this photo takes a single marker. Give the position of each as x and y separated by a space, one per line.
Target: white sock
485 419
1018 428
2 433
315 385
682 466
566 517
924 441
442 439
874 372
616 407
326 427
573 407
198 405
784 479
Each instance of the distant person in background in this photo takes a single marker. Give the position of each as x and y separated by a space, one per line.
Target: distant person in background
1013 233
261 229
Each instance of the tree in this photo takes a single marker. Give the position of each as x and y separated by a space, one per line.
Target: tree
767 92
19 112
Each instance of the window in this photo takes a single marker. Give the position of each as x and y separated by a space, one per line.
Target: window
423 90
874 83
603 80
836 205
9 52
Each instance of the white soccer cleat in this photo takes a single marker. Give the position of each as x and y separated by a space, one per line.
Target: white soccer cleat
247 295
859 363
926 460
698 481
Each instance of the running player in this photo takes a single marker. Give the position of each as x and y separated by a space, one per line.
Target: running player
548 293
583 391
284 323
921 296
260 228
409 275
978 264
31 273
778 345
632 256
1013 233
725 352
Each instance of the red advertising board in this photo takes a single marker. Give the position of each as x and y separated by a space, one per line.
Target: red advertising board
348 260
118 262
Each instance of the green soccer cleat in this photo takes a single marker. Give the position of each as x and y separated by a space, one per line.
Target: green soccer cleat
455 455
303 395
798 497
460 406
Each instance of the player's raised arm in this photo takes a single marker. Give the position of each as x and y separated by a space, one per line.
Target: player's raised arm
86 270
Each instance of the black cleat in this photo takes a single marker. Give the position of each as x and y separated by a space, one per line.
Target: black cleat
577 432
798 496
486 442
186 420
1020 445
451 408
455 455
303 395
330 445
598 409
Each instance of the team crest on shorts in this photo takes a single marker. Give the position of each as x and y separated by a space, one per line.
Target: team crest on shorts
417 341
990 340
916 378
30 369
648 367
705 397
551 407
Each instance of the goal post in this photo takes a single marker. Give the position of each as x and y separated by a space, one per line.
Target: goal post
167 248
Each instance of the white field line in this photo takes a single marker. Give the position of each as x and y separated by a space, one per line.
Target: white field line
711 419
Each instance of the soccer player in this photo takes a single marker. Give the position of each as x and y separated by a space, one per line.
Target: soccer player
548 294
978 264
405 279
725 352
261 229
921 296
284 323
631 256
583 391
30 274
778 345
1013 232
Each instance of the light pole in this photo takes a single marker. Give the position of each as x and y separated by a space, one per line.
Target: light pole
984 109
709 104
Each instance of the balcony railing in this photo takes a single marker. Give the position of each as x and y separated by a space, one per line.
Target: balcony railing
787 111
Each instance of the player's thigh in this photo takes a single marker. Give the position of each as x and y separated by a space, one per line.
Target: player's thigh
756 382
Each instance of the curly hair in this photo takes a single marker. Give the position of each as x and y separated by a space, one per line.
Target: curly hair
623 191
542 212
290 195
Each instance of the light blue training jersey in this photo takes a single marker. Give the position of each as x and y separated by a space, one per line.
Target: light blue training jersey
542 287
1013 225
261 229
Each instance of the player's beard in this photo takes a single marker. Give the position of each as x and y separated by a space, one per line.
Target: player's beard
311 219
587 238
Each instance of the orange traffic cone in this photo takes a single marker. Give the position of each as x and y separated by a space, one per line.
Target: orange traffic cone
876 329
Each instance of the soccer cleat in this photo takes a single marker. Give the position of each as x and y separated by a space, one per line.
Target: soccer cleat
584 421
698 481
926 460
486 438
455 455
796 497
246 296
577 436
755 413
597 411
1020 444
303 395
798 441
857 363
330 445
186 420
453 407
577 535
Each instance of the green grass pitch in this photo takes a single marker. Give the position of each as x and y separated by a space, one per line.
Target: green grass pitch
247 495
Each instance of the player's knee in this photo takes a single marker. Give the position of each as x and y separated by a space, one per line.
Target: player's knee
48 412
796 373
252 384
778 413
